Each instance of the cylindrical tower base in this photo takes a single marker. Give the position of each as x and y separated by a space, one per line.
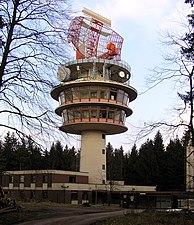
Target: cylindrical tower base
93 156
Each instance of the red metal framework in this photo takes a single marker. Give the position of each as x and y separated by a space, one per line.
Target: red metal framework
92 38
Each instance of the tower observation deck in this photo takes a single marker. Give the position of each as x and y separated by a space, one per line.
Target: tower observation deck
94 91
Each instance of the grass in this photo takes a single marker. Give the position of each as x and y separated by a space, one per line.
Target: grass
150 218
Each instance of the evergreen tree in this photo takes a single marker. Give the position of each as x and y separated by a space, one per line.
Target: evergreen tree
51 157
174 169
46 159
118 164
56 156
59 156
147 164
130 167
23 156
35 155
66 160
160 161
8 159
72 159
69 157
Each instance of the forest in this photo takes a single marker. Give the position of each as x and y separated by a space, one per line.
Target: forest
154 163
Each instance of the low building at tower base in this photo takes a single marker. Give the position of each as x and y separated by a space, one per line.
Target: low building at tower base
67 187
72 187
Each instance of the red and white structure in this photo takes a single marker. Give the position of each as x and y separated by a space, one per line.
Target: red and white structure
93 37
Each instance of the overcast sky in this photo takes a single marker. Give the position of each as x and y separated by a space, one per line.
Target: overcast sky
141 23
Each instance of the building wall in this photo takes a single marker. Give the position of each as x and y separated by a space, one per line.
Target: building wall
190 169
64 187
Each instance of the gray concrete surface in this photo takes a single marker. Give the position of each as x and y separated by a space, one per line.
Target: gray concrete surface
84 219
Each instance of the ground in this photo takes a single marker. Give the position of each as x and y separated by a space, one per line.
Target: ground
59 214
53 213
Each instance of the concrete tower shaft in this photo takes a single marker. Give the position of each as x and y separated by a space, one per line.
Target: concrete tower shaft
93 156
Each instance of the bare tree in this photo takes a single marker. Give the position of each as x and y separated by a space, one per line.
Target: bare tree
33 44
179 68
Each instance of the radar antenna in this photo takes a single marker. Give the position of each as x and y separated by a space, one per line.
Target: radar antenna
92 36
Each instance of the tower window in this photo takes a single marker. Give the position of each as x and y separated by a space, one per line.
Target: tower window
61 98
103 113
11 179
117 115
93 113
126 99
103 136
22 179
111 115
113 94
70 115
68 95
85 195
103 166
77 114
32 195
85 114
72 179
64 114
120 96
45 194
104 94
33 178
103 151
112 97
75 92
93 94
74 196
45 178
84 93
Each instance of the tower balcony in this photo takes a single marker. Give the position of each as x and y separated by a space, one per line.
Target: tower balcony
107 118
94 95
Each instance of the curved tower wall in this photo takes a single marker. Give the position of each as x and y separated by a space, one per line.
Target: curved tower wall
93 156
94 98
